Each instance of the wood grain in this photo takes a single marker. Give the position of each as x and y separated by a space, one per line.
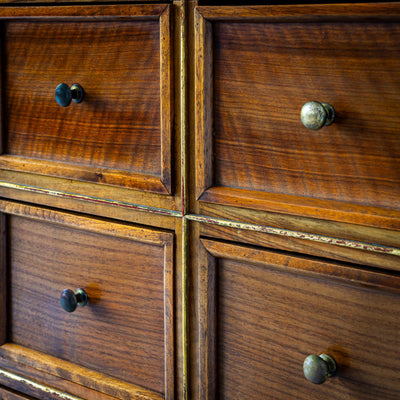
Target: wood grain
271 316
126 331
121 133
265 66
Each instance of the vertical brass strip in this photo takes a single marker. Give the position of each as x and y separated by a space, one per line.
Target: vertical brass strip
184 196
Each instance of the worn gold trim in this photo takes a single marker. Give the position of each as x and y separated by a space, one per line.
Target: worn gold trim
184 197
36 385
370 247
92 199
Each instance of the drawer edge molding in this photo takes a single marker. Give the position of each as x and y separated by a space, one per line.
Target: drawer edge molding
370 247
29 383
302 12
331 210
149 11
92 199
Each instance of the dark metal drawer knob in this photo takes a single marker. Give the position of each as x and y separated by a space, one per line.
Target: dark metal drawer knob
318 368
315 115
65 94
70 300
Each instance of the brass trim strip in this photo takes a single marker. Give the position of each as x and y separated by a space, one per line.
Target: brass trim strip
36 385
184 197
92 199
370 247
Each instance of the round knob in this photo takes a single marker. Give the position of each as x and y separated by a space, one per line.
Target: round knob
65 94
70 300
318 368
315 115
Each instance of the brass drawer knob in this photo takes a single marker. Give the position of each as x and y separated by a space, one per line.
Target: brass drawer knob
65 94
70 300
318 368
315 115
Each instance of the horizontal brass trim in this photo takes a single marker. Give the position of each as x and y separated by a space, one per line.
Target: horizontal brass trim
92 199
370 247
39 386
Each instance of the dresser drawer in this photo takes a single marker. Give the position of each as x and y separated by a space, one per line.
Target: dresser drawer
125 331
120 132
262 313
258 66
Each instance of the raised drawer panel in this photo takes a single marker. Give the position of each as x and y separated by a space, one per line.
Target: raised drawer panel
264 64
269 311
126 329
120 134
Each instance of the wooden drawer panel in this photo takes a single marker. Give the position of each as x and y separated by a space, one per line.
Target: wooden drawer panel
266 63
125 330
269 311
120 133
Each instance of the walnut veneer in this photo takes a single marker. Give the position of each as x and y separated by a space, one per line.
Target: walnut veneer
219 241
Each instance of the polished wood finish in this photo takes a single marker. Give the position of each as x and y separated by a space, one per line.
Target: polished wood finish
264 63
121 133
127 273
262 313
205 280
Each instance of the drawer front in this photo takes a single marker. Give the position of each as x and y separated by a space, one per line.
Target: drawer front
125 331
263 313
120 134
267 62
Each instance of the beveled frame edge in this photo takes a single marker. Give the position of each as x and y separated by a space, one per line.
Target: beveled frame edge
3 279
302 12
160 184
116 229
166 97
203 103
207 296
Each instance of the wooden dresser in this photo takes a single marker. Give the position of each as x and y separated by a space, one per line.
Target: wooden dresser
199 200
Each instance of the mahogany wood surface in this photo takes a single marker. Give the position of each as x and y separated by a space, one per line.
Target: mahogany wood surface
264 64
126 330
262 313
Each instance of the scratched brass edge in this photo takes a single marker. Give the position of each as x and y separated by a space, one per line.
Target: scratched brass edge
92 199
184 197
39 386
369 247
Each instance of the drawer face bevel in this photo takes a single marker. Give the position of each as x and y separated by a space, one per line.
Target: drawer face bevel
257 67
126 329
120 134
262 313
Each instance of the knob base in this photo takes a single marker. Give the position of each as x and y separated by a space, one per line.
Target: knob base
318 368
77 93
330 114
70 300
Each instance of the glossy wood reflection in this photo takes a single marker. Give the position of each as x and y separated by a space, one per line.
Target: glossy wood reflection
268 314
